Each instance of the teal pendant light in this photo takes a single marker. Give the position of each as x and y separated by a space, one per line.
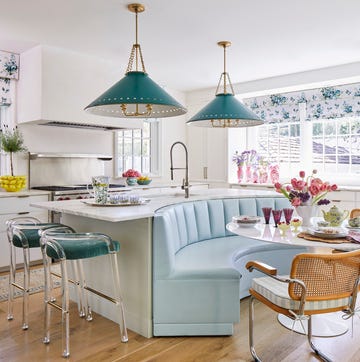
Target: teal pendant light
136 95
225 110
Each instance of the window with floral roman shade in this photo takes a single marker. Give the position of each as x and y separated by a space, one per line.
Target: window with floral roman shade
316 128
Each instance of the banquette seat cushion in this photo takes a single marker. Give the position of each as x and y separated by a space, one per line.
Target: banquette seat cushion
199 273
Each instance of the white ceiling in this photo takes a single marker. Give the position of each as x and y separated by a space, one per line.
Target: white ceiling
178 37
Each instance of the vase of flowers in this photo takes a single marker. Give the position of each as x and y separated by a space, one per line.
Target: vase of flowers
11 141
305 194
131 176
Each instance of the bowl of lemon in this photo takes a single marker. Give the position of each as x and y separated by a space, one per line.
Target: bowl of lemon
143 180
12 183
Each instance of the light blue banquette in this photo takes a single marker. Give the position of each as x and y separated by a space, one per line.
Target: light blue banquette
199 273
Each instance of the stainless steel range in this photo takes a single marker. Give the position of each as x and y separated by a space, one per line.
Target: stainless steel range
71 192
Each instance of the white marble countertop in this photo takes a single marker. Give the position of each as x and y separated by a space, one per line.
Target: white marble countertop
23 193
123 213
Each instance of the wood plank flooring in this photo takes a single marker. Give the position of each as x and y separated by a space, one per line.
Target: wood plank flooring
99 341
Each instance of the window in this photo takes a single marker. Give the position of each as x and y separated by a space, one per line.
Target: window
312 129
138 149
336 145
279 143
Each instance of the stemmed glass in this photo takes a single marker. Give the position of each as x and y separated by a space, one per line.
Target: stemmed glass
267 214
277 216
288 214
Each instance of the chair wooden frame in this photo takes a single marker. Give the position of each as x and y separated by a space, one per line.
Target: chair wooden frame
313 278
354 213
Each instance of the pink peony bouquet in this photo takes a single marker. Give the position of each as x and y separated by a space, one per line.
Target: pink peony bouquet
131 173
306 191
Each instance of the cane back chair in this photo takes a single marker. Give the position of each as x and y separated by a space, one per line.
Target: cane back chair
318 283
354 213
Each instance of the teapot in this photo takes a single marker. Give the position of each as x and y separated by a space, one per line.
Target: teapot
334 216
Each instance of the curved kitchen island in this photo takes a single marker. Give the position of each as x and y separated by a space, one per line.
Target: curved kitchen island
132 227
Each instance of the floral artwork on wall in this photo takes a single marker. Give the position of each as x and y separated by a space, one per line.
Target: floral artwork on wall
9 69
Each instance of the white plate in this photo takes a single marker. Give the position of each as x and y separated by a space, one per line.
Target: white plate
352 227
334 234
246 221
93 203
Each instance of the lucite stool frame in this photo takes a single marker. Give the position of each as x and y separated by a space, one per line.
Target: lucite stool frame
55 239
17 227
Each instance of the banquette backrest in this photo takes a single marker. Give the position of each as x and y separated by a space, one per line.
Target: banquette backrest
177 226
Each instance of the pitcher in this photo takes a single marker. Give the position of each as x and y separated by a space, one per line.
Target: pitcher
100 187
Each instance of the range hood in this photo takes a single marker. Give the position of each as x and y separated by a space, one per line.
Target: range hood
96 127
55 86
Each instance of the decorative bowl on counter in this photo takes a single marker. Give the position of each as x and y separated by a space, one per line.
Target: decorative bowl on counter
143 181
12 183
131 181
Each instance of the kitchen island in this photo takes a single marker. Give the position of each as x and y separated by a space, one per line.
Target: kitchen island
132 226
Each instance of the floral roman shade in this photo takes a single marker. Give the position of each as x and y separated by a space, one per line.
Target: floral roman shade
327 102
9 70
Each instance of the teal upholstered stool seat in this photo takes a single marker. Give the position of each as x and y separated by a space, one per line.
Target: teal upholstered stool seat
67 245
31 235
82 248
23 232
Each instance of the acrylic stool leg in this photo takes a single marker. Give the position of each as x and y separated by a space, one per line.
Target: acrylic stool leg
119 301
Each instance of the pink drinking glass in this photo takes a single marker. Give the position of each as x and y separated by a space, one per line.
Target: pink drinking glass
267 214
277 216
288 214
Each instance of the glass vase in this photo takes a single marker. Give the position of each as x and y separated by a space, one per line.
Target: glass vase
240 174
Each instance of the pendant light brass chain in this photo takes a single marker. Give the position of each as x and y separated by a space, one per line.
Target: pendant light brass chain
135 52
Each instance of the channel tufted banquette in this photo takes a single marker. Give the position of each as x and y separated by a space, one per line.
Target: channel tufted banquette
199 273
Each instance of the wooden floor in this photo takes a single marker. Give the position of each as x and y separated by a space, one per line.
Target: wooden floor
99 341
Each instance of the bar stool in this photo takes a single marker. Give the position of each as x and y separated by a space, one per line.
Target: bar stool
65 246
23 232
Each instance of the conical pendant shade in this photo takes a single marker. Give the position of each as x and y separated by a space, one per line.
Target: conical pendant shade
227 109
136 95
134 89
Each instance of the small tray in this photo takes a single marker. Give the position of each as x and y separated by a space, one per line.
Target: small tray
108 204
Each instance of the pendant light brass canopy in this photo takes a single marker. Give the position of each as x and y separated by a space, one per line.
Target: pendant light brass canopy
225 110
136 95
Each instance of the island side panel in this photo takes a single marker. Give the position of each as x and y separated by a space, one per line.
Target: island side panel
135 237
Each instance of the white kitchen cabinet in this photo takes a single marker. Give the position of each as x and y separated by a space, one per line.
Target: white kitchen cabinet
15 206
208 154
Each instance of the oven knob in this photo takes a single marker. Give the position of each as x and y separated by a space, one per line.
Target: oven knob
79 197
67 198
60 199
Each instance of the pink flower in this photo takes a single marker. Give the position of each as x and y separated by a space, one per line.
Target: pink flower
131 173
298 184
314 190
296 201
302 174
